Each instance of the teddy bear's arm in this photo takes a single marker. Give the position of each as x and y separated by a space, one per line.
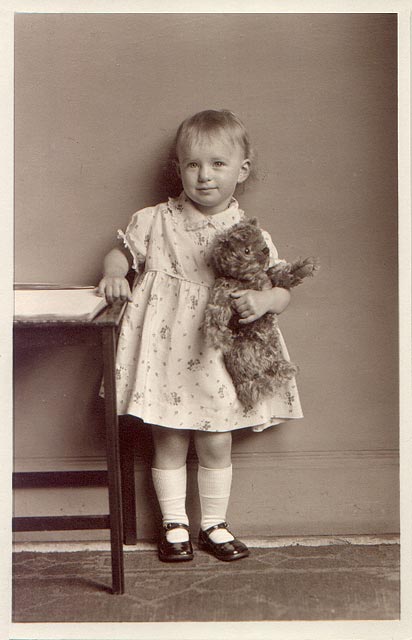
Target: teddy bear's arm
290 274
218 313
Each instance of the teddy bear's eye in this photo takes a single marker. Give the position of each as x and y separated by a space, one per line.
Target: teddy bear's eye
247 250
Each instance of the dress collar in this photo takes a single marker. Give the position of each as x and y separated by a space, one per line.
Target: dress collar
194 219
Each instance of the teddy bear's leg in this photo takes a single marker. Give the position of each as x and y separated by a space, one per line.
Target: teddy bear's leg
263 384
272 362
250 379
271 370
217 317
217 333
248 394
257 370
251 392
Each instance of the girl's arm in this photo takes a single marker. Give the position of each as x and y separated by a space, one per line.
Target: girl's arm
251 304
114 285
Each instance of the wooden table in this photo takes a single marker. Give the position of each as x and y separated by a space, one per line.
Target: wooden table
102 331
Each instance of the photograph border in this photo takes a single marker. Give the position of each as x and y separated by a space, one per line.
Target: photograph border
328 630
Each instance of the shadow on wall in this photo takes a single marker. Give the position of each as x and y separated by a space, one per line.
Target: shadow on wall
163 175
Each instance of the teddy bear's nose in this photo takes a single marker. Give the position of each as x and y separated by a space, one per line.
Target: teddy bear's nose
266 250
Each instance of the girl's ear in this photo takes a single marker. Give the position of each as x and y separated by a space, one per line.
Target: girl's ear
244 171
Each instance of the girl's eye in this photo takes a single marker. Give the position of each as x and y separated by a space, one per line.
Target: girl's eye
192 165
219 163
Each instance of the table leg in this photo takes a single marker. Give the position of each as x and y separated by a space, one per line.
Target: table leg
128 484
113 458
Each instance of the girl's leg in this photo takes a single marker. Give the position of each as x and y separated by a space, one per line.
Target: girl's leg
214 480
170 447
169 478
214 451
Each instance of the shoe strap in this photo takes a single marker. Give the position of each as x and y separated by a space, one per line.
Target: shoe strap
176 525
221 525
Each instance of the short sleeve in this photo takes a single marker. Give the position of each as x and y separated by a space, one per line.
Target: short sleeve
137 235
273 253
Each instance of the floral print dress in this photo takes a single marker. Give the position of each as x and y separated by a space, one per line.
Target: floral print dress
165 373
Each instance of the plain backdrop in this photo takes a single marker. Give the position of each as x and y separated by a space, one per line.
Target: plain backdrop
98 99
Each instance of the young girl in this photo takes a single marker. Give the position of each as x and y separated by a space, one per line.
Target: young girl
166 374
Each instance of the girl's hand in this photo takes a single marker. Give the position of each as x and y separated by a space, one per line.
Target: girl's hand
251 304
114 288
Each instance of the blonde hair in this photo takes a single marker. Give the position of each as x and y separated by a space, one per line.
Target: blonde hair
213 122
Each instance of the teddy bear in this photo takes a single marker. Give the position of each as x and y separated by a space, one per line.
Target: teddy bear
252 351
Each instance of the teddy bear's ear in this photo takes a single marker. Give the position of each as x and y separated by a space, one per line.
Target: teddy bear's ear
254 221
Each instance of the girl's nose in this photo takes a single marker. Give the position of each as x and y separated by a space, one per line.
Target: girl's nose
204 174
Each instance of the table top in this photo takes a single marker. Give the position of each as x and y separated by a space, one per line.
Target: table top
110 316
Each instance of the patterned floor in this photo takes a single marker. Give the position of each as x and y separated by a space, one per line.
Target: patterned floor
290 583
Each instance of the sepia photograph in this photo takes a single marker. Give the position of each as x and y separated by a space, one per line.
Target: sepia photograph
210 275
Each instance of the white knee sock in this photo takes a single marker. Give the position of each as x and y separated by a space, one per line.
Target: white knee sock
214 493
170 487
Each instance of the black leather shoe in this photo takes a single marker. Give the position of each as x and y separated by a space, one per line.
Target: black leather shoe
226 551
174 551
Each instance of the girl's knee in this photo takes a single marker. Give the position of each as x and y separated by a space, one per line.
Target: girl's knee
214 450
170 447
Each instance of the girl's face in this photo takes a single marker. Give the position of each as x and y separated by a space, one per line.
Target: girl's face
210 169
